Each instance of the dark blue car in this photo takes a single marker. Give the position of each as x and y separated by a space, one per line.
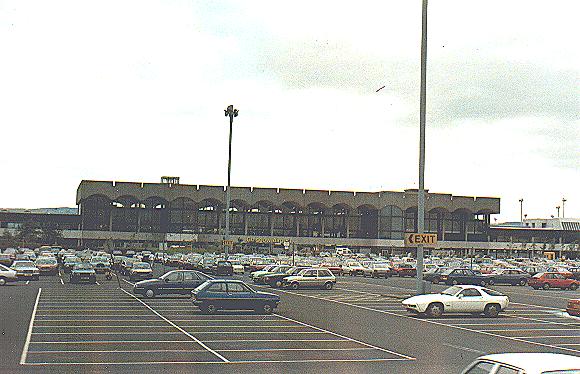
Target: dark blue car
220 294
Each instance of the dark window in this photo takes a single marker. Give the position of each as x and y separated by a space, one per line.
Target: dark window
217 287
174 277
481 368
506 370
190 276
237 287
470 292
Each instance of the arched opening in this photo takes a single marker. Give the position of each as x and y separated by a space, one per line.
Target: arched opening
391 222
96 213
182 215
209 216
369 221
154 215
125 212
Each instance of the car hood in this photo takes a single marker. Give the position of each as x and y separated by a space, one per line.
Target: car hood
147 282
268 295
423 299
25 268
84 271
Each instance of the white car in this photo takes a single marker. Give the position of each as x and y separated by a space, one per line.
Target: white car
7 275
353 268
458 299
527 363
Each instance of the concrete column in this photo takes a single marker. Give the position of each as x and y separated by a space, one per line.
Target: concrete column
347 227
271 226
322 224
138 218
297 218
111 219
245 223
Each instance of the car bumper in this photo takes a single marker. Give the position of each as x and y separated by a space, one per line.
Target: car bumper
414 308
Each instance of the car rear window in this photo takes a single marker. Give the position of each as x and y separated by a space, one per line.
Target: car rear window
481 368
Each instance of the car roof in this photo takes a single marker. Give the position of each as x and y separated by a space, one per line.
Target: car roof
536 362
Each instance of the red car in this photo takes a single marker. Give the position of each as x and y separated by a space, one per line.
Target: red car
573 308
549 280
405 270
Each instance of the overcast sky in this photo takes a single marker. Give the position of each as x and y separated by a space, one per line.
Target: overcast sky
133 90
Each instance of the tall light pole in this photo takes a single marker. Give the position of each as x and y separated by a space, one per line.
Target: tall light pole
229 112
521 210
558 210
563 203
422 110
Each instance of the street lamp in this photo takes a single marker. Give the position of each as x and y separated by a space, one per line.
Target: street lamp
422 110
558 210
229 112
522 210
563 203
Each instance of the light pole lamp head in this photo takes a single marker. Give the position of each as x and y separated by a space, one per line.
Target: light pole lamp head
230 111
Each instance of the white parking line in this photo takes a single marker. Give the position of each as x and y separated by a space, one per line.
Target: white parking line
201 350
180 329
464 348
347 338
30 327
437 323
185 341
178 333
164 326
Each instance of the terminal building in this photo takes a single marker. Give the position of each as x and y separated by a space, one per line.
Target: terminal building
148 215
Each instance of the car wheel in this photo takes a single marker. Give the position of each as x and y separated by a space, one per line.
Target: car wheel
454 282
546 286
150 293
209 308
492 310
267 308
523 282
2 281
435 310
328 285
278 284
295 286
573 286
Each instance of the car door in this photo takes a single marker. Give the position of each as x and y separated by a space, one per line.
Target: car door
239 297
470 300
172 284
190 281
309 278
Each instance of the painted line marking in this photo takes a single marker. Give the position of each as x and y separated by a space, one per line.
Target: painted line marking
30 327
214 362
549 336
436 323
464 348
185 341
165 326
178 333
347 338
179 328
201 350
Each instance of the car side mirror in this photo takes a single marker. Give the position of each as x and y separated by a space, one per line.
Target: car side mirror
460 296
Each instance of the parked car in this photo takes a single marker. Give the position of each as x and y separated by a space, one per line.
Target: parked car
237 267
258 276
405 270
524 363
509 276
458 299
377 270
223 268
180 282
70 262
321 278
549 280
575 272
276 280
25 269
101 264
573 307
47 265
5 259
216 295
434 275
83 272
258 273
140 270
127 265
7 275
464 276
353 268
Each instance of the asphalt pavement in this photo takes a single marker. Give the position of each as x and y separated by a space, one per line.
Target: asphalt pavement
359 326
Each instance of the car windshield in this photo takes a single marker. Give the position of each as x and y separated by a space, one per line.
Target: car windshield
21 264
83 266
451 291
141 265
46 261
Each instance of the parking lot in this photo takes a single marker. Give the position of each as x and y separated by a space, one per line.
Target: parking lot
357 326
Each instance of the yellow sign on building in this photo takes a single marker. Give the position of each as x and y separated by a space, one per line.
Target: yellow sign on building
428 240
